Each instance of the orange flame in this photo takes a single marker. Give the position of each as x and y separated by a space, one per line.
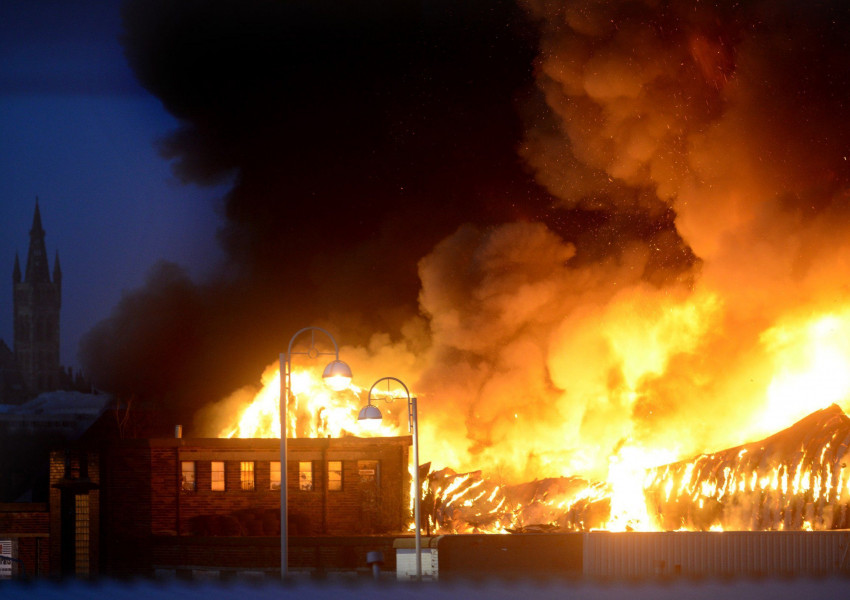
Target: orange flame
314 409
804 362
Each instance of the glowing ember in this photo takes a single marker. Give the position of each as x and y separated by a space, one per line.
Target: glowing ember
795 479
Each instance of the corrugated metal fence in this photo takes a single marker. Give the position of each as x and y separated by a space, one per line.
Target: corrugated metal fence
642 555
716 554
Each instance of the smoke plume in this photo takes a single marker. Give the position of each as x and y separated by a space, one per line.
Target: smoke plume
356 135
730 117
573 227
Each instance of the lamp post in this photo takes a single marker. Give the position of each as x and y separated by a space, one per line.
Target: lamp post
336 375
372 414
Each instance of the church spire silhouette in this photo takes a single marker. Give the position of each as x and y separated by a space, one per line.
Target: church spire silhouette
37 301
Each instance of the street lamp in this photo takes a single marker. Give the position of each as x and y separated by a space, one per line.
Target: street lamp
336 375
371 415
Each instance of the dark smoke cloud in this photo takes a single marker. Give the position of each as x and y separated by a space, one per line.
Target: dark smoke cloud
720 131
695 214
357 135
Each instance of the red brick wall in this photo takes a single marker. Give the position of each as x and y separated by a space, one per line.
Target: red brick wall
362 508
94 513
164 483
357 509
262 503
57 471
28 525
140 487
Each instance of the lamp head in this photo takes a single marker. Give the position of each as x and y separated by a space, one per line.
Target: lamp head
370 416
337 375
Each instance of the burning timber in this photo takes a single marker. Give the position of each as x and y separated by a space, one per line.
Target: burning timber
796 479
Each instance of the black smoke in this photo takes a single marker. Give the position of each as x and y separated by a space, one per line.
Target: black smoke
358 135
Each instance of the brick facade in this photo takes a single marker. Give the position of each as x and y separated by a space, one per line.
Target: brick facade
142 505
74 513
27 526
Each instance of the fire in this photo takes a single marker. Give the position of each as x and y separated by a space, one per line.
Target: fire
811 361
737 489
627 477
315 409
754 486
794 479
772 484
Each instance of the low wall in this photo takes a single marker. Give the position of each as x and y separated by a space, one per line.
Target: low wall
317 556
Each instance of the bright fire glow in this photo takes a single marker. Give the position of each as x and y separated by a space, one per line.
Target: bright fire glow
627 478
315 409
749 487
812 372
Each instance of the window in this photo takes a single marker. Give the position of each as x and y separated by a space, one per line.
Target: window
187 480
335 476
274 472
305 476
81 534
217 476
246 475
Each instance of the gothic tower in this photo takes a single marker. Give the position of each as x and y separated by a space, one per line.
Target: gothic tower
36 303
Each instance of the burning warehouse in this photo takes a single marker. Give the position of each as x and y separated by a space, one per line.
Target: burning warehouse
676 286
797 479
159 505
145 506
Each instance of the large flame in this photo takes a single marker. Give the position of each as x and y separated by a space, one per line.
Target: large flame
805 361
611 368
315 409
811 367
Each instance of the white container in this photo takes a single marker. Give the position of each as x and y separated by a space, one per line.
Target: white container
7 550
405 559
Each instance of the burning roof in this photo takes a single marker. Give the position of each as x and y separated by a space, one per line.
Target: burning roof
795 479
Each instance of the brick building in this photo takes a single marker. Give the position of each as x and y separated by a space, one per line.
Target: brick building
138 505
24 533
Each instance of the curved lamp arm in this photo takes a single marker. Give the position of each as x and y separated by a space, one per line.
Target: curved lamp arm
372 413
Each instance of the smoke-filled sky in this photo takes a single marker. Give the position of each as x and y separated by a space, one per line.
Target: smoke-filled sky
358 136
78 131
575 227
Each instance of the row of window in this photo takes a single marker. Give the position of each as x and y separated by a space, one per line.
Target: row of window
248 482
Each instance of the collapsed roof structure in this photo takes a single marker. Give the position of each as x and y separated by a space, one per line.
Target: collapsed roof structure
796 479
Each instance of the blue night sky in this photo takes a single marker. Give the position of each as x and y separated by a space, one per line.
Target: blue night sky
78 132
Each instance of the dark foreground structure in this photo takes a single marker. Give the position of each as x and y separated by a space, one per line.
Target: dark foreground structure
490 590
137 507
619 556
